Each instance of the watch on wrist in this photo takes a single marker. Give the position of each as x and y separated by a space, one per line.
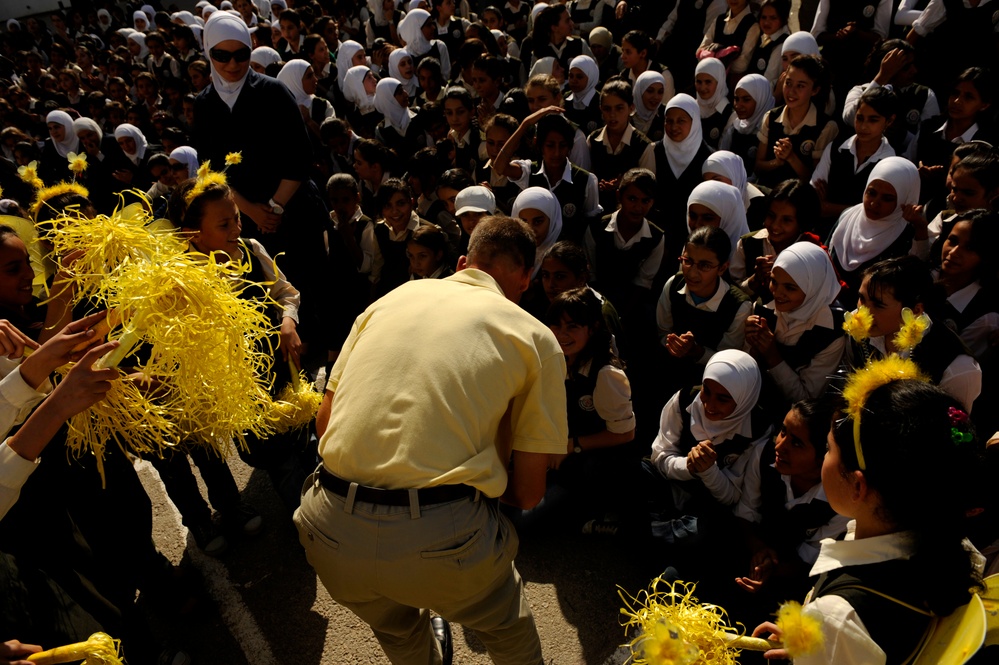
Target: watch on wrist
576 448
276 207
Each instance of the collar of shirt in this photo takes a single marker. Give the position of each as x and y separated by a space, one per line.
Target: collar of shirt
963 138
765 40
836 554
734 21
815 493
884 150
714 302
356 216
879 342
961 298
581 102
566 174
463 140
476 277
811 118
629 131
414 223
768 247
619 241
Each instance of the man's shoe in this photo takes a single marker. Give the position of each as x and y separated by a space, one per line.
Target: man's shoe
442 631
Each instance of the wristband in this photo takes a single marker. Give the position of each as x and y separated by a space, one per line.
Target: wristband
576 448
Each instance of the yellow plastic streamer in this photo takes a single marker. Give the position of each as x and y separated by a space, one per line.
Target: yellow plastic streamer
99 649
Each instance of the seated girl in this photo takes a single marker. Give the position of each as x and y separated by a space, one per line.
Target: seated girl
878 228
798 338
714 203
727 167
887 288
842 172
712 99
582 104
539 208
706 442
793 208
392 101
392 232
732 36
877 472
773 18
427 254
650 112
359 90
752 99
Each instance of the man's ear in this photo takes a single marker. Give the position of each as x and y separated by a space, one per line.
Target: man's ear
462 263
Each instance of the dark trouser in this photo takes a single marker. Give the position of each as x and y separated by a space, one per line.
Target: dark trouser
182 487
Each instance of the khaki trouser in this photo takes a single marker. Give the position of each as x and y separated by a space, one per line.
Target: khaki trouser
390 565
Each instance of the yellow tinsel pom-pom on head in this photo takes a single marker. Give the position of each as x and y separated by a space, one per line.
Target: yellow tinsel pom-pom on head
912 331
858 324
801 634
866 380
46 194
77 163
203 180
29 174
233 158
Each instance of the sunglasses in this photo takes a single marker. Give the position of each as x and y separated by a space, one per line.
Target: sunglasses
219 55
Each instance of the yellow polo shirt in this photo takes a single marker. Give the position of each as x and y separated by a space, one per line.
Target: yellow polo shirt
437 382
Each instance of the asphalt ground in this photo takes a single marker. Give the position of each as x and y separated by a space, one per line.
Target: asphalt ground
261 603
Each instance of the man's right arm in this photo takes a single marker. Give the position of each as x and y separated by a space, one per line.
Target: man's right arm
526 485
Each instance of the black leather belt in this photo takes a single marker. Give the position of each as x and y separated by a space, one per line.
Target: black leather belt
382 497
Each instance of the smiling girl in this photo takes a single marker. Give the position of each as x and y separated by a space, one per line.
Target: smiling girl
617 146
390 266
650 113
712 99
752 99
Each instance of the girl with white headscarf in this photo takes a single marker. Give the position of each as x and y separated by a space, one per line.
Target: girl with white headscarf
797 337
104 20
753 98
535 205
712 99
187 156
727 167
291 75
392 130
877 229
380 24
356 90
419 45
717 442
725 201
132 141
263 57
650 110
62 141
347 57
140 54
582 105
140 22
396 63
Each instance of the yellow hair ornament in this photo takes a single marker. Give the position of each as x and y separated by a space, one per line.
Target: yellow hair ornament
205 177
866 380
801 634
233 158
912 331
77 163
858 324
29 174
45 194
99 649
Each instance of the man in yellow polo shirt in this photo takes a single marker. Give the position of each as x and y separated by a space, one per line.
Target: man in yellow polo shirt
445 397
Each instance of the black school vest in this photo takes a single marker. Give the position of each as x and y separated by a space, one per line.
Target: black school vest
737 38
161 72
786 528
679 188
572 198
730 449
453 38
606 166
899 247
746 146
708 327
588 119
395 271
434 52
811 343
897 628
934 354
911 100
714 124
933 148
859 12
582 412
573 46
385 31
982 303
579 14
617 268
843 186
761 55
802 143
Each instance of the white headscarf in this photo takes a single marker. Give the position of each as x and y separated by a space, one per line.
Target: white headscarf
540 198
220 27
857 239
714 68
186 17
730 165
396 116
738 373
644 81
812 270
88 125
265 56
801 42
149 11
354 90
139 39
344 55
410 31
139 15
410 85
199 32
543 65
207 12
375 8
291 75
70 142
760 90
103 18
588 66
226 5
126 130
187 156
726 202
680 155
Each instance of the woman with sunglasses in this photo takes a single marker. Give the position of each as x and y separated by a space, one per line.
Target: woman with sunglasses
279 205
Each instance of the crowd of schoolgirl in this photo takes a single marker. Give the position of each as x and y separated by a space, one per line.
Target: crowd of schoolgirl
713 186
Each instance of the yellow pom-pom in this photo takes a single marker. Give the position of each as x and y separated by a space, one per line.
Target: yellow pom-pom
99 649
912 331
801 633
866 380
662 645
77 163
205 178
858 324
29 174
233 158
